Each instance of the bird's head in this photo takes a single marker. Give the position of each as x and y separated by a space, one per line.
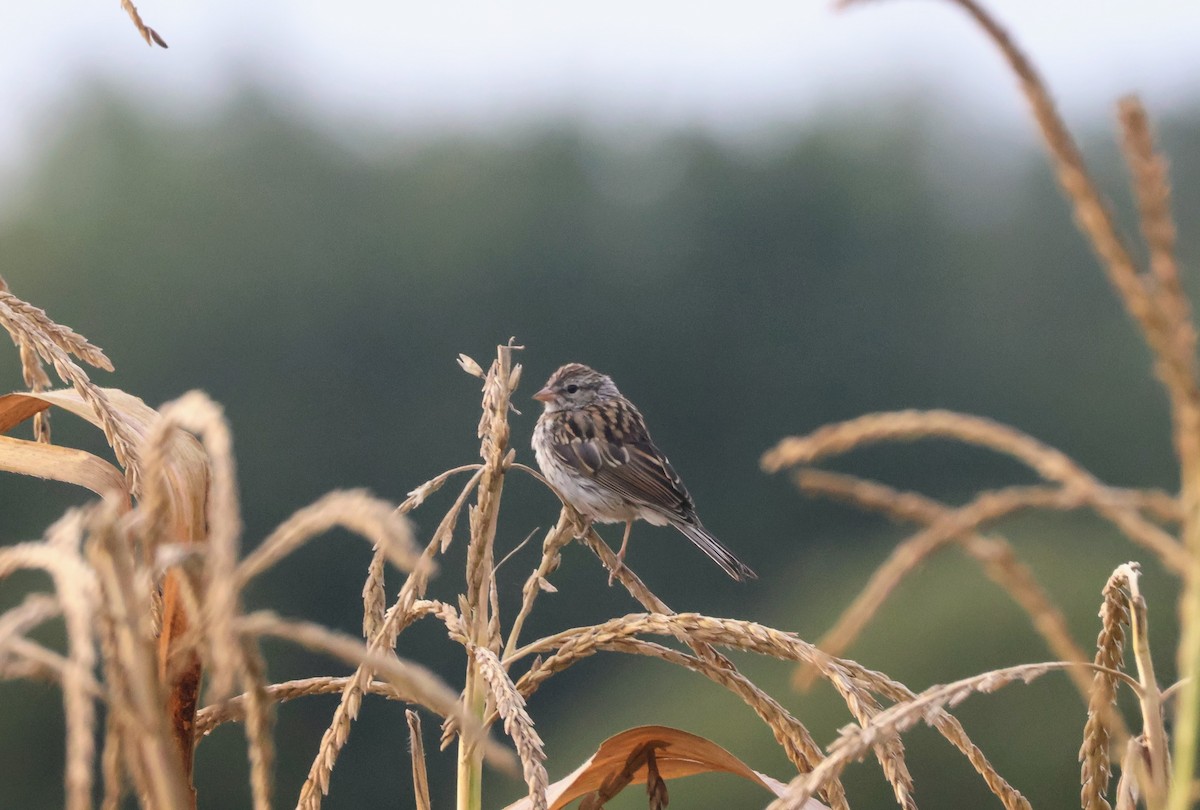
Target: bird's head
575 386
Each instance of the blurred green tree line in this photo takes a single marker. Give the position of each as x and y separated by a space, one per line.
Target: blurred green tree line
320 287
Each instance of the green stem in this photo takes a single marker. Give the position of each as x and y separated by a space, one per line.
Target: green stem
1187 707
470 757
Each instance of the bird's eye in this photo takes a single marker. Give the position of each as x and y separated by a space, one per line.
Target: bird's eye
572 388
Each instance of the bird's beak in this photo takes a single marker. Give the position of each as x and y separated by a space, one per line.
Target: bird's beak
545 395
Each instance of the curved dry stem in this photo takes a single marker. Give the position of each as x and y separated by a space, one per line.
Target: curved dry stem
233 710
23 658
852 681
1051 464
1162 313
908 555
911 425
855 741
994 555
646 598
35 609
417 496
789 732
425 687
355 510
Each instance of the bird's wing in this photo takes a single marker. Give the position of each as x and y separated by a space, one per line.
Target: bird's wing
614 448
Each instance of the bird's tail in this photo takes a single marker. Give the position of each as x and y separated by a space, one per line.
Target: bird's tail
719 554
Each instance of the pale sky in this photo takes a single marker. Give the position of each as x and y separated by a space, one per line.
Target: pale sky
729 65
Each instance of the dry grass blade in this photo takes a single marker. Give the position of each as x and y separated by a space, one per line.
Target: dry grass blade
420 777
144 433
77 596
17 407
136 692
233 710
1051 464
31 661
55 463
197 413
855 741
172 521
149 34
405 677
994 554
374 519
517 724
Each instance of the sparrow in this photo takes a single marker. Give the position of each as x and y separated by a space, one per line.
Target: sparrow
593 447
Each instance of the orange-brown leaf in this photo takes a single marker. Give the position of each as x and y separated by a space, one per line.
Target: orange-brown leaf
621 758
